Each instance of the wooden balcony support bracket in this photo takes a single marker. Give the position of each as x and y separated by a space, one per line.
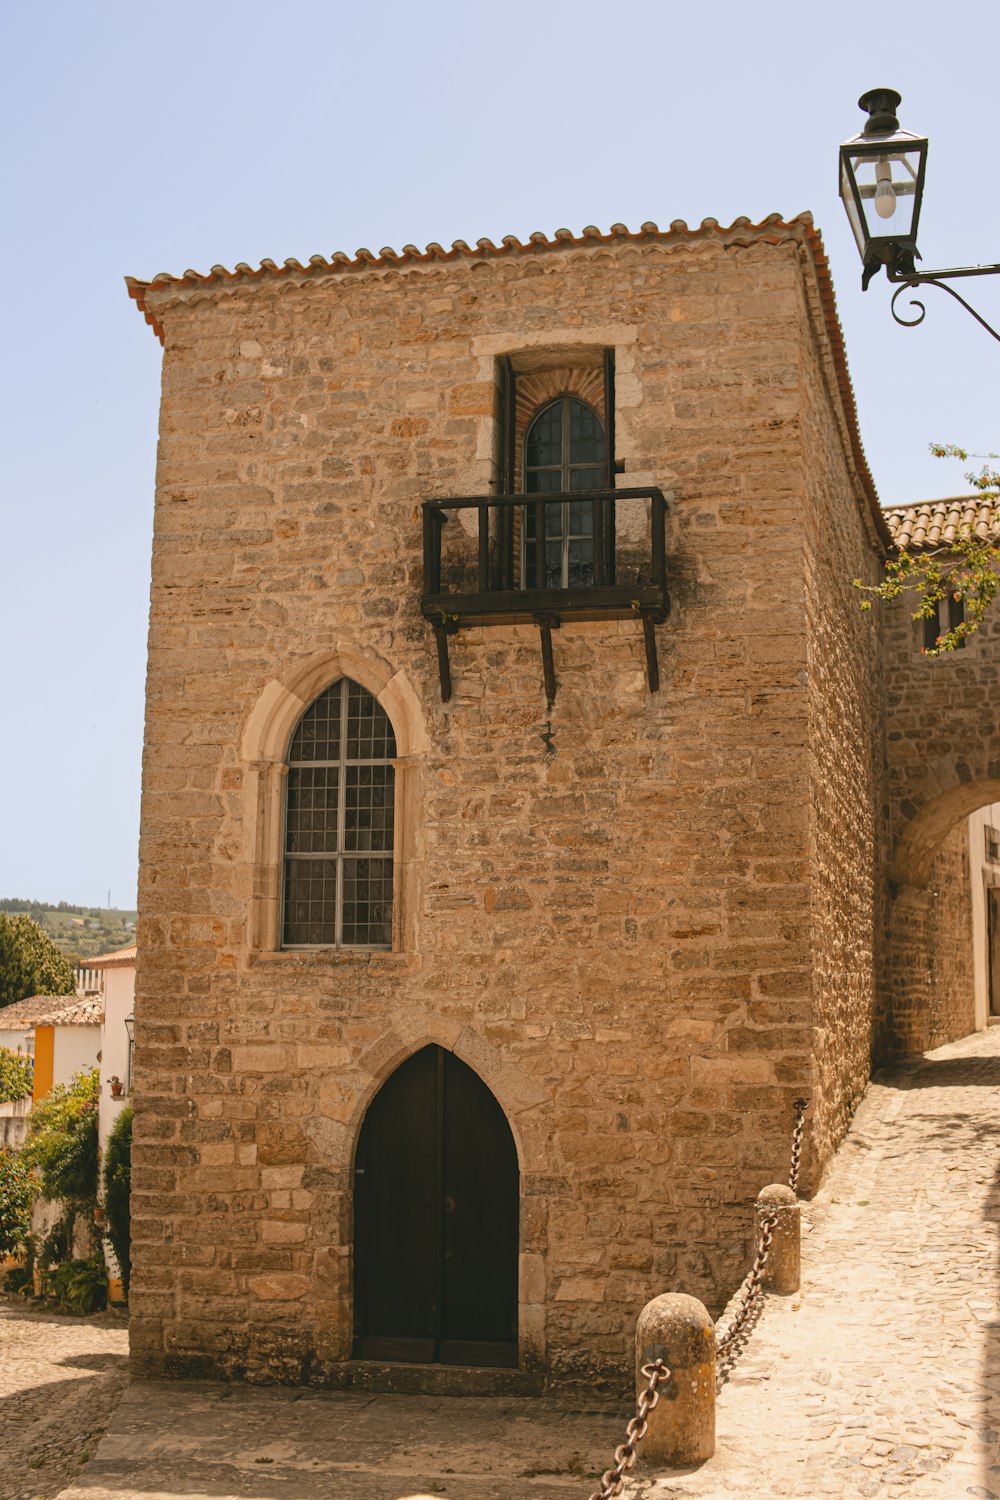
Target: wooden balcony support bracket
443 628
650 619
546 624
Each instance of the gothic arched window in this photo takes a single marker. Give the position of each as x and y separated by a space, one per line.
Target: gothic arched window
339 823
563 452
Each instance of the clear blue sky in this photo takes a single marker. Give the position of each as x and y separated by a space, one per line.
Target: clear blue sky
141 140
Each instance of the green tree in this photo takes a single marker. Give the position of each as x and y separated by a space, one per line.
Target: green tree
30 963
62 1141
17 1191
966 569
16 1075
117 1187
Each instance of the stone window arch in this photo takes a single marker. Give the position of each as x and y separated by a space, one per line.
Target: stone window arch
266 747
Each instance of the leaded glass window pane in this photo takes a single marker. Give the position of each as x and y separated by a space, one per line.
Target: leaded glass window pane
367 903
310 901
544 442
563 453
339 823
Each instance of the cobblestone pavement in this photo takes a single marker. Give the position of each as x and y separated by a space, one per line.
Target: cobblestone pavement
881 1378
60 1380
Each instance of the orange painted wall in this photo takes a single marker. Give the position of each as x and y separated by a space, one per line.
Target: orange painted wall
45 1048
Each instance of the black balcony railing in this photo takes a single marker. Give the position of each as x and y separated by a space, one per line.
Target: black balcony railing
525 561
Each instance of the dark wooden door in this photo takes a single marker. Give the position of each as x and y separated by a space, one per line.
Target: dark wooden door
436 1211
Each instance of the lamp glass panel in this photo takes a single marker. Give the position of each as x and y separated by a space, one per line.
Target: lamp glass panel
887 184
852 208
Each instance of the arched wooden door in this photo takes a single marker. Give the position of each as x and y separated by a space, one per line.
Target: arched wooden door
435 1215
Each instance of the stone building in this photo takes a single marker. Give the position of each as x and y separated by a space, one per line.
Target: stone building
943 756
508 866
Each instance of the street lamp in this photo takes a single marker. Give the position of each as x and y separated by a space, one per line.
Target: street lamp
882 185
130 1030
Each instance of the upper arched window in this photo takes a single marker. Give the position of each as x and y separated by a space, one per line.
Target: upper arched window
339 823
563 452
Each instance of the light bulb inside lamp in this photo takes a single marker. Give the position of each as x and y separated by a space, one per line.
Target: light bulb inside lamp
885 197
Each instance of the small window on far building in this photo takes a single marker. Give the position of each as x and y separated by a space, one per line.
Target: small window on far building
949 614
992 845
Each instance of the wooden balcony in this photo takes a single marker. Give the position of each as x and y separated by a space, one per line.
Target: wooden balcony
486 573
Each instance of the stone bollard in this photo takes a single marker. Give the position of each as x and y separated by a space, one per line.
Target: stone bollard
783 1272
678 1330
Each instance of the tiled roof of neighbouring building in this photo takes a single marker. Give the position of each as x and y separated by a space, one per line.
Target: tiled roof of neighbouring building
88 1011
741 232
931 523
121 958
36 1010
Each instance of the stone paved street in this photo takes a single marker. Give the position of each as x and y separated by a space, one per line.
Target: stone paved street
60 1380
881 1378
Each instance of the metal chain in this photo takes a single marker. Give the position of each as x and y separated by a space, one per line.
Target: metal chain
801 1105
728 1348
612 1479
731 1343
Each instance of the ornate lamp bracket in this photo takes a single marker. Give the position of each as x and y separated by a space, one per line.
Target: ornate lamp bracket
900 269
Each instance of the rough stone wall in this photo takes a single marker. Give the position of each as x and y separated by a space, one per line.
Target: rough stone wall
610 930
846 759
943 740
933 972
952 1007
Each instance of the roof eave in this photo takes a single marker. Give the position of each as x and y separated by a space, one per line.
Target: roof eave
742 231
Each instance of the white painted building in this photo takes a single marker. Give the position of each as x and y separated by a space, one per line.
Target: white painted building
116 1043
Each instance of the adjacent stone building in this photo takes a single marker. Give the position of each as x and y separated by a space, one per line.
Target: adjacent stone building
497 899
943 755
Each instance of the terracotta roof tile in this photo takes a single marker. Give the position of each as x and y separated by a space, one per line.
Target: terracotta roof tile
23 1015
931 523
88 1011
740 232
121 958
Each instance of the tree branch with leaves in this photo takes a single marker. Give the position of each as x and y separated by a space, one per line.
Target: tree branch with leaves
966 569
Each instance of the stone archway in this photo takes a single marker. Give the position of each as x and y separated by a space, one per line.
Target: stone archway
921 838
943 762
935 992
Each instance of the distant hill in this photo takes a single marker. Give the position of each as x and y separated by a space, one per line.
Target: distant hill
81 932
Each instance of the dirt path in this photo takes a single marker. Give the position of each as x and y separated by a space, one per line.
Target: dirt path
60 1380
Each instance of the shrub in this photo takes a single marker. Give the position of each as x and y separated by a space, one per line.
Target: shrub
79 1286
16 1075
62 1141
117 1186
20 1280
17 1191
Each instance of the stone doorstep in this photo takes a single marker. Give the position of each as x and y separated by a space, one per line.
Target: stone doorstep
433 1380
